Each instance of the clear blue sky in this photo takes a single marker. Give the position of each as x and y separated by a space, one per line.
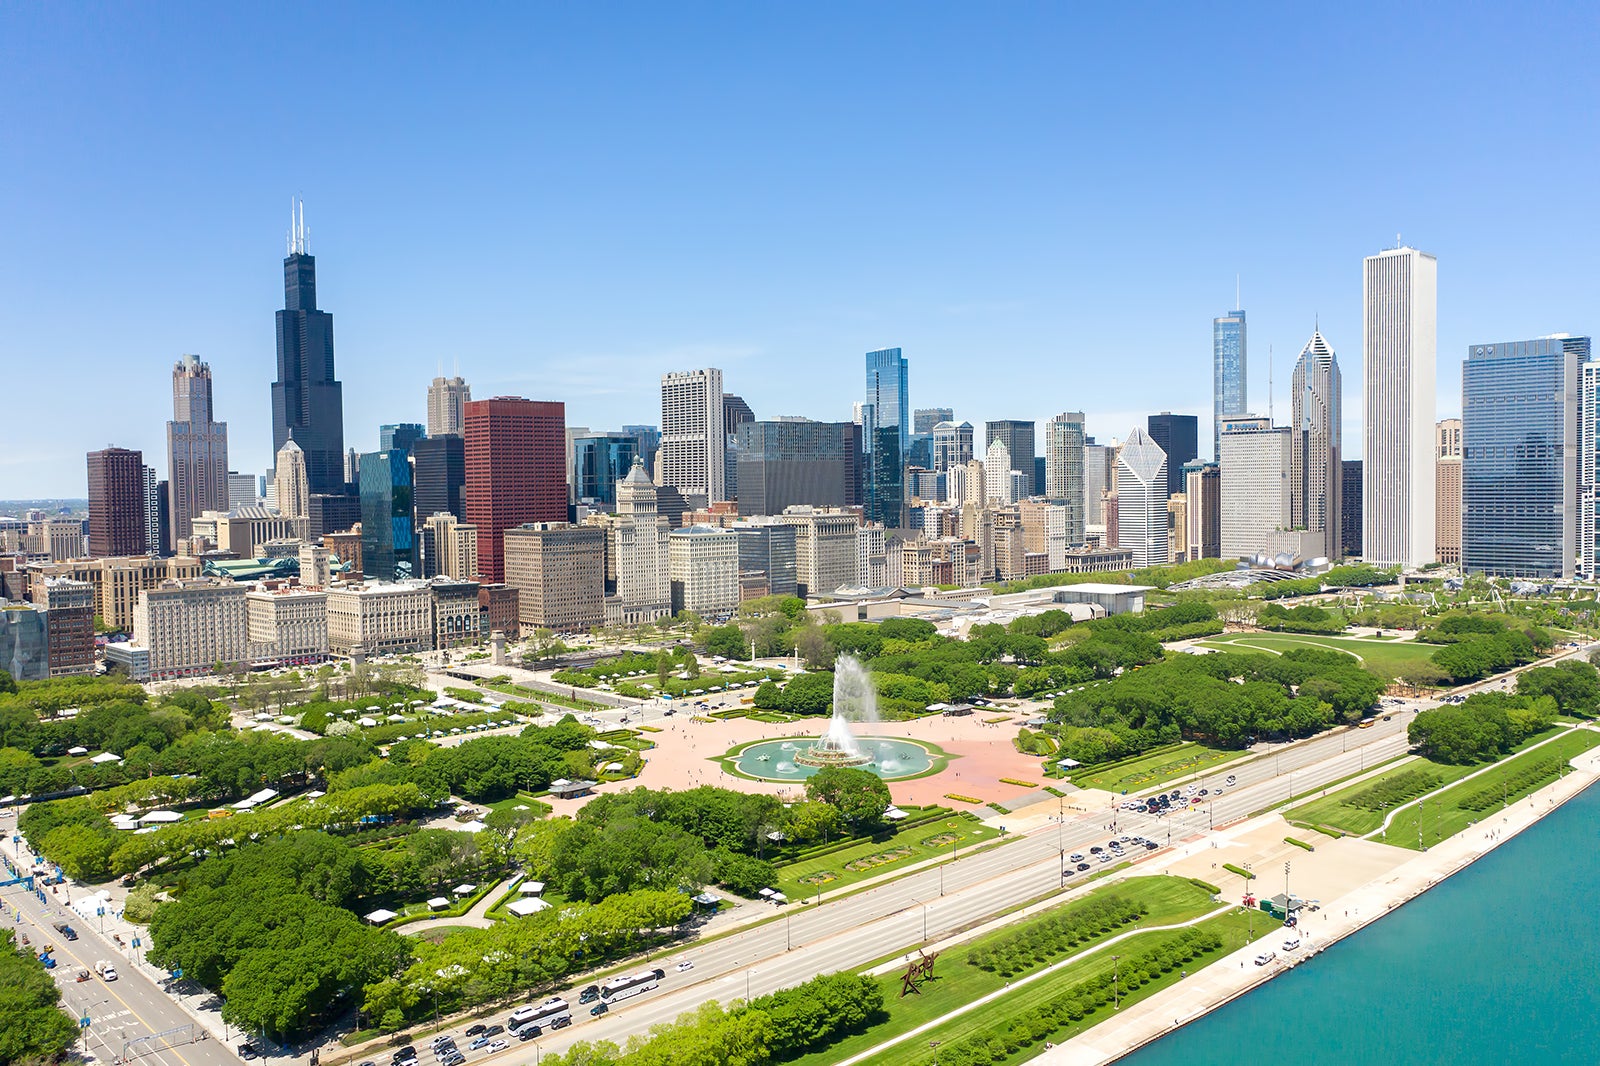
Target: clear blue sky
1044 207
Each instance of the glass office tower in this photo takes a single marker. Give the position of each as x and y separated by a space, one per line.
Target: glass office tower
1230 374
388 546
1520 430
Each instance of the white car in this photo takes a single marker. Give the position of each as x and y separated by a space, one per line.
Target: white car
686 964
498 1045
1292 944
110 973
1265 957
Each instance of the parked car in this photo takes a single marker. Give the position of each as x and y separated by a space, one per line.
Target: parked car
1265 957
248 1051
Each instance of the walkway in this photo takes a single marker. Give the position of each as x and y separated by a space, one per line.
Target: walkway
477 917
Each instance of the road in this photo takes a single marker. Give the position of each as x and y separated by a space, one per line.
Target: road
937 901
120 1011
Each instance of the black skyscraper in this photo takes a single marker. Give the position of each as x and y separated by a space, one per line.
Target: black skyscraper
307 398
1179 437
440 473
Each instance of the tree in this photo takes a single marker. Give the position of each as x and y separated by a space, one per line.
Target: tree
36 1029
859 796
727 641
767 696
813 647
1573 684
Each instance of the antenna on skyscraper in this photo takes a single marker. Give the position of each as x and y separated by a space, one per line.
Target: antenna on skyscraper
1269 385
1238 300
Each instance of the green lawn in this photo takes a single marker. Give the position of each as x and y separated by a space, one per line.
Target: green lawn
1444 815
1150 771
1355 810
911 845
536 807
957 982
1383 657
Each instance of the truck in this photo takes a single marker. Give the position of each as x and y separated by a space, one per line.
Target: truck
106 971
66 931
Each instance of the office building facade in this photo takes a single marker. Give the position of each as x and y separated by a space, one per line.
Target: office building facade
693 455
558 571
117 503
1179 437
1230 373
1400 353
703 567
1064 444
1520 433
1019 438
191 626
599 462
1202 490
447 403
788 463
439 476
515 456
388 539
1256 498
1142 499
1314 478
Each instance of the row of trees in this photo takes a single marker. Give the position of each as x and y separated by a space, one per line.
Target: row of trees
486 768
35 1029
775 1028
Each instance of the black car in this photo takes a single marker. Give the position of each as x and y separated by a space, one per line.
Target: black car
1150 845
590 994
1097 849
476 1030
599 1009
528 1032
494 1030
561 1022
407 1052
248 1051
1083 866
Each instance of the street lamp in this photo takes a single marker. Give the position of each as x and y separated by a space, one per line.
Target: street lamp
1116 990
924 907
934 1046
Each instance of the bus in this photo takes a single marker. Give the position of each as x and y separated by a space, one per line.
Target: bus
619 988
553 1013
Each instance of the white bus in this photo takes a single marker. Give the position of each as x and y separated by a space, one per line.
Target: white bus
619 988
553 1013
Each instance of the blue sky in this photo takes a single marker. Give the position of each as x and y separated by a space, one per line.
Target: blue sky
1045 207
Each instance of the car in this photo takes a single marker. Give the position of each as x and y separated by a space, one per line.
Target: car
446 1038
561 1022
590 994
481 1041
1082 866
686 964
1205 792
248 1051
455 1058
494 1030
66 931
109 973
498 1045
1097 849
407 1052
1105 858
1292 944
1076 856
476 1030
1151 845
528 1032
1265 957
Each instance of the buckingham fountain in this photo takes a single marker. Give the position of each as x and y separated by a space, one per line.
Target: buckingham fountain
847 741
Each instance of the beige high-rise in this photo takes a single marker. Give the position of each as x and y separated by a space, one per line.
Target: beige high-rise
1447 489
447 400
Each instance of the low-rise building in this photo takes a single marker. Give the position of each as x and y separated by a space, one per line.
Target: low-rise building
129 659
558 571
379 619
497 610
69 619
457 618
191 627
117 581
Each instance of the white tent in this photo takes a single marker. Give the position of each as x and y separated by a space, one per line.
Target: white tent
397 718
78 751
105 757
366 723
163 817
379 916
532 888
438 903
524 907
466 890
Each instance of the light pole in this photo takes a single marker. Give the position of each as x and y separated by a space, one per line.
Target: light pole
934 1046
1286 890
788 941
1061 839
1116 989
924 907
747 974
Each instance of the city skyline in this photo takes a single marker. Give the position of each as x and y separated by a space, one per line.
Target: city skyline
980 289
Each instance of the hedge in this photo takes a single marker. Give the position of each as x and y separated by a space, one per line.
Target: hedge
1056 934
1240 870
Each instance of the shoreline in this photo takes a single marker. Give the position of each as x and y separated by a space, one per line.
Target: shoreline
1223 982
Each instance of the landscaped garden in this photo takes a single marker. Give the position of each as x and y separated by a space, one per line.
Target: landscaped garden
1154 769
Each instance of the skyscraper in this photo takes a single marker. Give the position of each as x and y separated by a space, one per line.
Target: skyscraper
886 435
952 445
1179 437
1314 478
599 462
197 450
923 419
1018 437
997 467
388 538
447 398
439 474
1520 430
1400 350
639 550
292 481
1063 470
788 463
1142 499
693 442
1256 498
516 471
1350 493
1098 463
735 413
1447 487
1230 373
116 503
307 398
1202 485
153 542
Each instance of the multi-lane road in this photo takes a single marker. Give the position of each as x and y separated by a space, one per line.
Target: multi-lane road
120 1012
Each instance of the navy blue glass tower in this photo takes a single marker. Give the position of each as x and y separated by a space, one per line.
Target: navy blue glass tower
307 398
1178 436
1230 373
598 463
886 435
400 435
388 544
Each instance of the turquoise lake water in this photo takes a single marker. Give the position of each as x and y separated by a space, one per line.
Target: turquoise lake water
1498 964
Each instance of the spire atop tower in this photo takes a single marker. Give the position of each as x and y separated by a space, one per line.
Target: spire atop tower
297 227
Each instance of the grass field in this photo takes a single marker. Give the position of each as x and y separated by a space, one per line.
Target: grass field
957 982
1386 658
1146 773
1345 811
1446 815
798 880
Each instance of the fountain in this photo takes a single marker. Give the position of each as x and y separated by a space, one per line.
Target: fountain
852 692
855 706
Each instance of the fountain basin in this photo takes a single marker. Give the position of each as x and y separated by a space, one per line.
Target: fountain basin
891 758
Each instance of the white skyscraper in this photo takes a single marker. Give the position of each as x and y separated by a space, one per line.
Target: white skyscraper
639 550
692 457
292 493
1315 475
1400 354
1063 469
1257 501
1142 499
997 472
447 398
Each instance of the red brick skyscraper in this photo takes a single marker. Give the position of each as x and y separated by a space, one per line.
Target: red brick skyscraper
116 503
516 459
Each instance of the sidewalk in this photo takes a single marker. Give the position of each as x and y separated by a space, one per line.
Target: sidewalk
1237 974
